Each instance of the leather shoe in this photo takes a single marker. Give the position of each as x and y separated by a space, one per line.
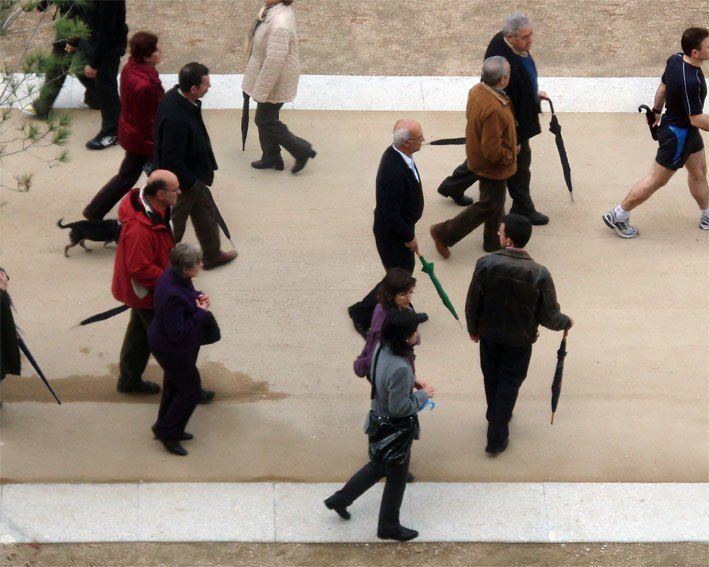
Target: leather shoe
410 477
174 447
223 258
497 449
442 249
266 164
341 510
142 387
186 436
301 161
538 218
492 246
361 329
399 534
205 396
421 317
461 199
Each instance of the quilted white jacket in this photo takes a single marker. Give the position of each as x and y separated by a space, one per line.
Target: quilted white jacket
273 68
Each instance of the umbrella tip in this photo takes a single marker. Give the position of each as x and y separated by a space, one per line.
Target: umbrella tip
552 418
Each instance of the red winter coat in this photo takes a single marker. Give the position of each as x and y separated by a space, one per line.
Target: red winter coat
141 90
143 252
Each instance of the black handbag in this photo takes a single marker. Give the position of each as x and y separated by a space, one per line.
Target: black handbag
210 332
389 439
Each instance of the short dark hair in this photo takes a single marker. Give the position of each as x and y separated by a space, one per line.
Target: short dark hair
398 326
191 76
142 45
396 281
692 38
518 229
152 188
287 2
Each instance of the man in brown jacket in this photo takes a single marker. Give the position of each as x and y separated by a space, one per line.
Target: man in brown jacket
491 151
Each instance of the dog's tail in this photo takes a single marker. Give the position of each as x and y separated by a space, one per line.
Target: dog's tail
60 225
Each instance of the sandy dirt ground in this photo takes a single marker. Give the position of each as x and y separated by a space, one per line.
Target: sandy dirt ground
634 406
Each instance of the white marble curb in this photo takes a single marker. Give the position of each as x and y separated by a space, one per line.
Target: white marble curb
342 92
290 512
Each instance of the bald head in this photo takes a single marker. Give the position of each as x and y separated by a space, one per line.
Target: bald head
408 136
167 177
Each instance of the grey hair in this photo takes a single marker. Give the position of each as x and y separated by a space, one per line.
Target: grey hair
401 135
494 69
514 23
184 257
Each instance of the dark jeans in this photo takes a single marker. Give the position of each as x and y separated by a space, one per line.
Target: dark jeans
488 210
274 134
104 90
504 369
119 185
392 497
195 204
135 350
181 391
517 185
393 254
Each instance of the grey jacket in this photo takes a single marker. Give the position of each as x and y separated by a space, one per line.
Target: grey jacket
394 385
509 297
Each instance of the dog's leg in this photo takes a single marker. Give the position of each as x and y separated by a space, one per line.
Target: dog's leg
83 245
66 249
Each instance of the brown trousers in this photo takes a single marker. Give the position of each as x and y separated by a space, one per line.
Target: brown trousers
195 204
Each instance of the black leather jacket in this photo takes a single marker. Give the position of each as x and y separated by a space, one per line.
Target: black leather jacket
509 297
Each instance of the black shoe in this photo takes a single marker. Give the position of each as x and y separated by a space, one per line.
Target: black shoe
186 436
301 161
399 534
538 218
358 325
142 387
102 142
174 447
410 477
497 449
266 164
91 103
342 512
461 199
421 317
205 397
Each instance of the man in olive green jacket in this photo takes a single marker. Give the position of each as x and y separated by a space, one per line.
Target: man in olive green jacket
491 150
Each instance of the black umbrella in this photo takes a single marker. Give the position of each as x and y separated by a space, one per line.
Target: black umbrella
105 315
218 216
448 142
650 117
558 375
34 364
244 121
555 128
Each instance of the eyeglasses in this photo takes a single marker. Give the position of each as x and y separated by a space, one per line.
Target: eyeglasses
175 190
419 139
406 293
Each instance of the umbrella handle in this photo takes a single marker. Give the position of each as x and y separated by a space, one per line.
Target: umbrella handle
566 333
551 105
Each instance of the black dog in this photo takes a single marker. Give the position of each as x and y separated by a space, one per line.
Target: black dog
99 231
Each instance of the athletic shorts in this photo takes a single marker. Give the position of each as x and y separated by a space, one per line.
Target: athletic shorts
676 145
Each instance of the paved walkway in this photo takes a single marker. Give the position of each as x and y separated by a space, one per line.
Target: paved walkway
293 512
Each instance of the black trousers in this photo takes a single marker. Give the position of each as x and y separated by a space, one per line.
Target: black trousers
274 134
504 369
181 391
517 185
104 90
393 495
107 197
393 254
135 350
54 77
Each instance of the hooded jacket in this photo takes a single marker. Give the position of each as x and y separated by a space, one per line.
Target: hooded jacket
273 68
143 252
141 91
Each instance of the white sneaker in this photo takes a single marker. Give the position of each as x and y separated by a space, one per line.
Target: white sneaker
622 227
29 109
704 222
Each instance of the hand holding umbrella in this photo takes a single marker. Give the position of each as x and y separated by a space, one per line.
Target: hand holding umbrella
558 375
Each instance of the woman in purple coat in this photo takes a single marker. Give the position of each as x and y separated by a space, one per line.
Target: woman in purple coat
181 312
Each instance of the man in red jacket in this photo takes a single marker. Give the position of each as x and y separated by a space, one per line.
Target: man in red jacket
141 258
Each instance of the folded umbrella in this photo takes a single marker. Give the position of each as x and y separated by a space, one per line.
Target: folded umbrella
244 121
555 128
105 315
34 364
650 118
558 375
218 215
427 268
448 142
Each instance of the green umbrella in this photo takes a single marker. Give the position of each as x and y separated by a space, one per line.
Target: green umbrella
427 268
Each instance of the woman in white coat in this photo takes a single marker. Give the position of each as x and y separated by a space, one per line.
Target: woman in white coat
271 79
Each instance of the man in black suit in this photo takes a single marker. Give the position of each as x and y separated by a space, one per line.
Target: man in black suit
513 43
399 206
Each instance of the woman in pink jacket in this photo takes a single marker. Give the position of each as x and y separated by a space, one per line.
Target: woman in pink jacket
141 90
271 79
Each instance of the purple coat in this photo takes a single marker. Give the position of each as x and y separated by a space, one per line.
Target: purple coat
177 321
